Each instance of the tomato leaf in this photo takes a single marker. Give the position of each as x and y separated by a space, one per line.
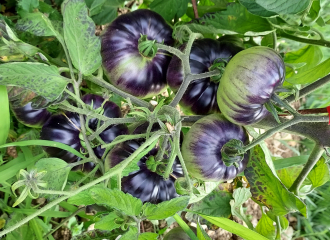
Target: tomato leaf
5 116
240 195
108 222
314 13
23 232
269 8
201 234
265 227
107 13
214 204
28 5
234 228
148 236
82 198
131 234
117 199
235 20
165 209
319 175
168 9
267 188
79 35
42 79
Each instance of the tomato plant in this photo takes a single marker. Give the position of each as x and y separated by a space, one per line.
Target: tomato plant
138 114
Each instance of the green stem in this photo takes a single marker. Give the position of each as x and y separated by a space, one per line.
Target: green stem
91 173
161 151
112 88
67 57
112 172
279 127
278 228
172 50
185 227
64 221
119 181
312 160
283 103
274 40
310 88
78 99
305 40
170 162
51 192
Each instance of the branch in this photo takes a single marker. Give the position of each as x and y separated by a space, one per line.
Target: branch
195 8
319 42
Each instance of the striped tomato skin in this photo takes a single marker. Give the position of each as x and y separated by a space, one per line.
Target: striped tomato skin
125 66
248 83
201 148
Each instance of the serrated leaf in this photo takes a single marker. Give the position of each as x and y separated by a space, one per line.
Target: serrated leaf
234 228
165 209
79 35
57 172
314 12
82 198
108 222
117 199
235 20
37 24
28 5
131 234
240 195
148 236
319 175
42 79
265 227
23 232
214 204
269 8
204 190
168 9
267 188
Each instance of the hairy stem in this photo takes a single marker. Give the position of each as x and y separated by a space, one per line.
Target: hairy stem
52 192
278 228
305 40
67 57
185 227
112 88
312 160
112 172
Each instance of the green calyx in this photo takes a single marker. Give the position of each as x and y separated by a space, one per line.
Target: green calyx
218 64
146 47
232 152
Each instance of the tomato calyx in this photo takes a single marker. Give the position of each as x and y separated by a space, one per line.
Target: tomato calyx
218 64
232 152
147 48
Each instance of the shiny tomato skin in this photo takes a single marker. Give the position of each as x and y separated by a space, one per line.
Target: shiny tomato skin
65 128
125 66
248 83
200 96
201 148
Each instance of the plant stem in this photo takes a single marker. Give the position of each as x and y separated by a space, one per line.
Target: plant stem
195 8
161 151
185 227
51 192
274 40
305 40
112 88
64 221
279 127
283 103
67 57
119 181
113 171
170 49
170 162
278 228
312 160
310 88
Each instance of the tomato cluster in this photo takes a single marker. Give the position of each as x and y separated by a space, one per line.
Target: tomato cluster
247 79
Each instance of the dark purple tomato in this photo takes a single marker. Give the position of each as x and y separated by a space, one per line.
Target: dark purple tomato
201 95
145 184
31 117
126 67
178 234
248 83
201 148
65 128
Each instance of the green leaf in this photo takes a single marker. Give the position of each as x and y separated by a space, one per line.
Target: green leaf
97 235
108 222
203 10
201 234
57 172
131 234
314 13
289 175
44 143
23 232
235 20
42 79
82 198
265 227
311 75
38 24
117 199
148 236
319 175
214 204
240 195
168 9
283 221
267 188
204 190
79 35
234 228
269 8
310 55
5 116
290 162
165 209
28 5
